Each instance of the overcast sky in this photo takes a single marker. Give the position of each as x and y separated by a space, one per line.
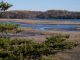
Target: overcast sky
42 5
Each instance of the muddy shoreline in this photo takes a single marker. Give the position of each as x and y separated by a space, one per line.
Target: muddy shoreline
41 21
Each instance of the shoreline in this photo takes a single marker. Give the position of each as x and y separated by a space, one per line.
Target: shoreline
75 35
29 21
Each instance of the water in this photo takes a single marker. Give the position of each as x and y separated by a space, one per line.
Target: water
72 20
55 27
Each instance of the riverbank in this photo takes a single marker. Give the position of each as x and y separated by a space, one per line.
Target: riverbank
29 21
73 54
32 32
40 36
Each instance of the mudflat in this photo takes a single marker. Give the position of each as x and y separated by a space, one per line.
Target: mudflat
41 21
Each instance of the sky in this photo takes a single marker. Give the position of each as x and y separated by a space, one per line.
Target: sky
43 5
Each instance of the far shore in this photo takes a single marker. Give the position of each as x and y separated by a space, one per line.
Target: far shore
29 21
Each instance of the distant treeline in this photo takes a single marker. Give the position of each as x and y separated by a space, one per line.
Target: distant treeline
50 14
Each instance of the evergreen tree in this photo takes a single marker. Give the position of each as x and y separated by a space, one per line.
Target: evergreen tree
4 5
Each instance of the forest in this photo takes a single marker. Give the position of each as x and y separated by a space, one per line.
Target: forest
50 14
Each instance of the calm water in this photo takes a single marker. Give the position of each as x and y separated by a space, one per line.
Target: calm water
57 27
72 20
52 27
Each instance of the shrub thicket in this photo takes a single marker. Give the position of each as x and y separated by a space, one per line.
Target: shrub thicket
21 49
6 28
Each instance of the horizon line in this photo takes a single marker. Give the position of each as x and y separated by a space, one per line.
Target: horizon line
42 10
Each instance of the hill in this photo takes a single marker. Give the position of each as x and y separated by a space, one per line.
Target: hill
50 14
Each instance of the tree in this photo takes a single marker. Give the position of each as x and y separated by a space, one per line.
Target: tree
4 6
